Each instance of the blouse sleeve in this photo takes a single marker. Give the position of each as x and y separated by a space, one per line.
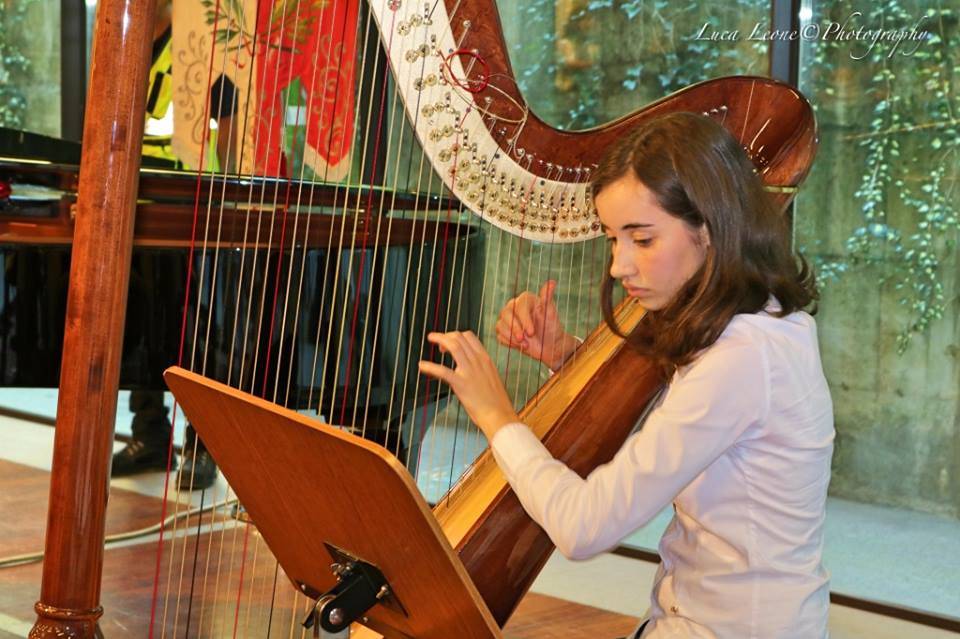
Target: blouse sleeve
704 412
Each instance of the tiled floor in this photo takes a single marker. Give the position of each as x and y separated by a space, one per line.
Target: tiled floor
865 551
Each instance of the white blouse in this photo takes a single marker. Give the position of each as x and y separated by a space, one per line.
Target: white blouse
741 444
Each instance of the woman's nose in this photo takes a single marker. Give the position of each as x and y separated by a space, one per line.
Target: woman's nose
621 265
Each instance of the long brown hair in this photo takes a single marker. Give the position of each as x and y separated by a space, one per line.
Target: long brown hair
699 173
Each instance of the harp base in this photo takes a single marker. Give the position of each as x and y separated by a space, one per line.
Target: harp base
63 622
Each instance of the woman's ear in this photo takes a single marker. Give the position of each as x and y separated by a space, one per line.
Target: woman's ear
703 235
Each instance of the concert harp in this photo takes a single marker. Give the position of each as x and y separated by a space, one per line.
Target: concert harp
503 169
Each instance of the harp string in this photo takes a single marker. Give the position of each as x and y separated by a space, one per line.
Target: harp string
273 206
306 232
448 497
445 326
391 130
457 417
224 170
456 323
413 340
435 323
292 252
212 300
361 274
329 249
203 279
422 343
531 285
443 262
363 251
273 306
564 306
329 244
414 439
406 280
530 279
515 288
154 597
470 104
383 275
350 307
340 243
483 298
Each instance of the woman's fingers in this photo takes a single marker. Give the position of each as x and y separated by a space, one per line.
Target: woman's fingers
526 309
476 347
507 337
453 343
546 292
476 380
437 371
512 318
465 347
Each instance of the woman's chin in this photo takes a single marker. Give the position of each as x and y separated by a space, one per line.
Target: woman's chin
644 297
648 302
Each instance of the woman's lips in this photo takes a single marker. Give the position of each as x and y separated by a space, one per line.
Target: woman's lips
636 291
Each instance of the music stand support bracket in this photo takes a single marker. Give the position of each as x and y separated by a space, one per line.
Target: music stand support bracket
360 586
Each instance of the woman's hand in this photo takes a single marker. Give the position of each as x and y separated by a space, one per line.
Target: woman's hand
475 380
529 323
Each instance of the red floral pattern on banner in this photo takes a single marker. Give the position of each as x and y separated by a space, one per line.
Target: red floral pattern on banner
314 42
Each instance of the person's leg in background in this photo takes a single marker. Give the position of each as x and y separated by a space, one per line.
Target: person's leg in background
198 471
147 452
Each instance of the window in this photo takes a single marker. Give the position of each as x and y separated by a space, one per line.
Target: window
878 218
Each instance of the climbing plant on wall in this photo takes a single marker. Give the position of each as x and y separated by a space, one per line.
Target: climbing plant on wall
601 58
14 66
909 221
601 54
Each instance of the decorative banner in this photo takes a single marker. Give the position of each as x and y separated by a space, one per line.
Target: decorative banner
313 41
195 24
316 43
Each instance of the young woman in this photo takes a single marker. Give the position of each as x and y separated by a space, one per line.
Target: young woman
741 440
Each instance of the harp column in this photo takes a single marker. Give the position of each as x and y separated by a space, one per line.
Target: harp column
69 603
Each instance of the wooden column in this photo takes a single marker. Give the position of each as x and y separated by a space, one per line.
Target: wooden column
69 603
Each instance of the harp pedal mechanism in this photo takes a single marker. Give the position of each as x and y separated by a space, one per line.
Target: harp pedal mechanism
360 586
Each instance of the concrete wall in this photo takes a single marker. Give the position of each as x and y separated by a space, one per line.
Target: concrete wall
39 41
898 434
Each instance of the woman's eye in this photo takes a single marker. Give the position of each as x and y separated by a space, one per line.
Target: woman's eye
643 242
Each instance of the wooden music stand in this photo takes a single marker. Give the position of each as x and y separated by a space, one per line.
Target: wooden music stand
320 496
